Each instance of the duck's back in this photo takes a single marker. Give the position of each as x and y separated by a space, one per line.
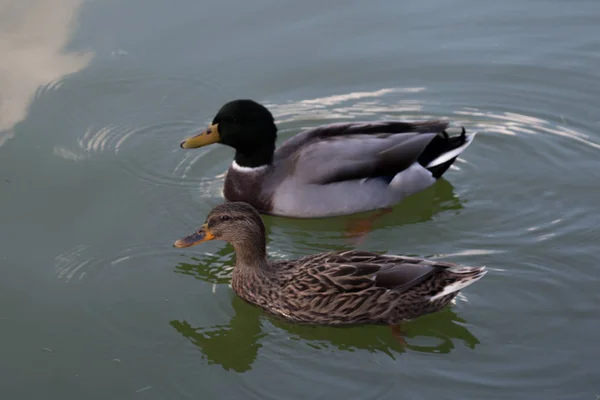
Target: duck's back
353 287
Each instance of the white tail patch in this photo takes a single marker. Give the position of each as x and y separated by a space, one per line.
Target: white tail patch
456 286
453 153
459 269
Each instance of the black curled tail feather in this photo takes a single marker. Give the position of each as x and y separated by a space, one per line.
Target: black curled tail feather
441 144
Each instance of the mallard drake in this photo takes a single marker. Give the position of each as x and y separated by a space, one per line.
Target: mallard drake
335 169
337 288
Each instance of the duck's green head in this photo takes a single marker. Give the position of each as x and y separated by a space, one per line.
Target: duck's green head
246 126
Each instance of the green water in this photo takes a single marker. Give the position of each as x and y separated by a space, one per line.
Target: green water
95 96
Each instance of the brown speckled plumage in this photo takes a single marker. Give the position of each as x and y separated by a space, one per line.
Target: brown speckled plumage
338 288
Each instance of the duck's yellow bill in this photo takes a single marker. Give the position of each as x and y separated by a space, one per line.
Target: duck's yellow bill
204 138
201 235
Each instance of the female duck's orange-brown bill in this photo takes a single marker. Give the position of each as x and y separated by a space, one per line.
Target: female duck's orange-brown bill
204 138
201 235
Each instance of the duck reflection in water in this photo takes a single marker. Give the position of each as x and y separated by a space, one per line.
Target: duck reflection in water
418 208
235 345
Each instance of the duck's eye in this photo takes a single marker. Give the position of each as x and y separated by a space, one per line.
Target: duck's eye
225 218
231 120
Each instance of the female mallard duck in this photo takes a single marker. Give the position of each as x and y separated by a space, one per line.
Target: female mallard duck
339 288
329 170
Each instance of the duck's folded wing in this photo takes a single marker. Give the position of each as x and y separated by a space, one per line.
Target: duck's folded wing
403 276
358 156
341 277
296 142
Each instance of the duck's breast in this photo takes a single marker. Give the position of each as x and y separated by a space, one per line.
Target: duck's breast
248 185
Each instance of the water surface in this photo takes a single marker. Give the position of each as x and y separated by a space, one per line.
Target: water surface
95 97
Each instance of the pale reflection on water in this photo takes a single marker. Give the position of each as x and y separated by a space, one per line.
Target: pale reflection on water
33 37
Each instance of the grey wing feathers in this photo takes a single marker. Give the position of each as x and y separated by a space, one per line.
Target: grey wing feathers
358 157
296 142
371 128
347 151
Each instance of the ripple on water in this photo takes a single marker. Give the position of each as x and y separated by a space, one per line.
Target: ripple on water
125 277
81 261
317 360
348 106
144 129
69 264
151 153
